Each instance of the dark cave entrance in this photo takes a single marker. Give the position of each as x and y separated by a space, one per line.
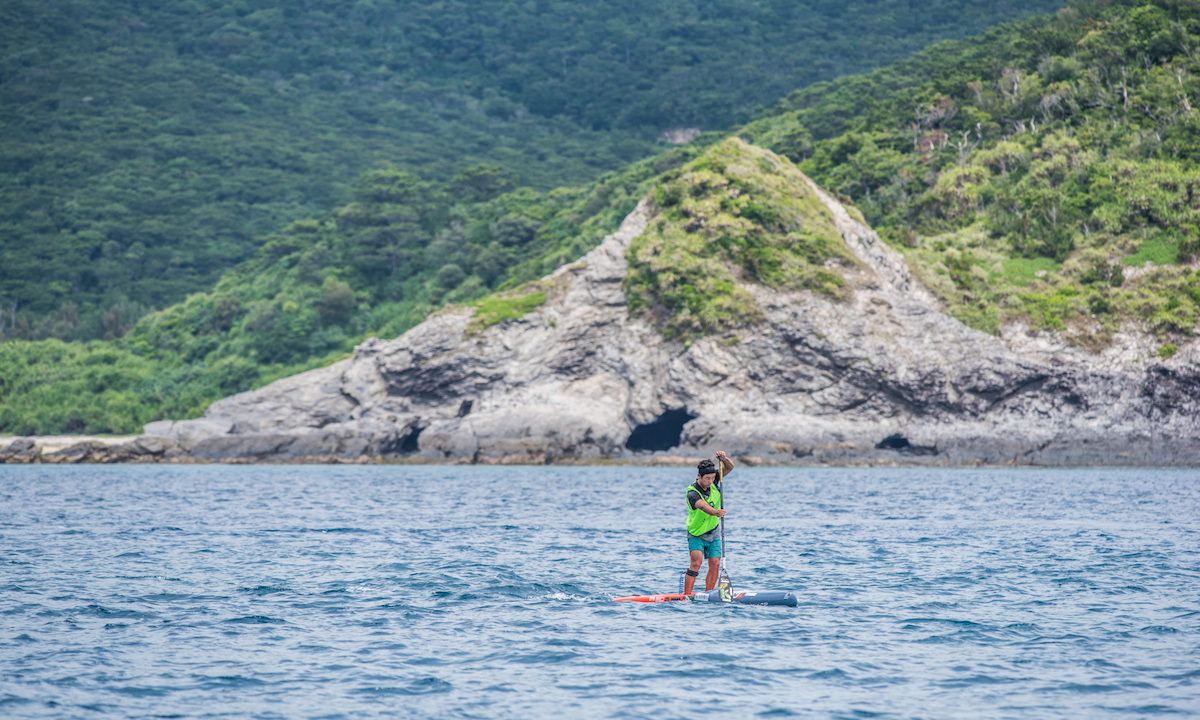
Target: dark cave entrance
893 442
661 434
408 442
902 444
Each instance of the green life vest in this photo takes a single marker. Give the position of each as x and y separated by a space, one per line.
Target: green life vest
698 521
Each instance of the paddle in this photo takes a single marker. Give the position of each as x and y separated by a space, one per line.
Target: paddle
724 586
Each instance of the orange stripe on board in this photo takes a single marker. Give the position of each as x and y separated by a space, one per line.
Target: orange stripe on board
653 598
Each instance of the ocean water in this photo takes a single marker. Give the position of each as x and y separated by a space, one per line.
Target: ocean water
476 592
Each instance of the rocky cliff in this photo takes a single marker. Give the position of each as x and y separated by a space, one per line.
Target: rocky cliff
874 372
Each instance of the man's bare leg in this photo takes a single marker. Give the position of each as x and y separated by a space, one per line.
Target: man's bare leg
695 558
714 569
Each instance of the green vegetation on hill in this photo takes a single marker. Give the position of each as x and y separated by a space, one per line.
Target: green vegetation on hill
736 208
1027 174
377 266
147 148
50 387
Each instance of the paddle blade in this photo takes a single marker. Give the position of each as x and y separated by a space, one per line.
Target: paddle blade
724 586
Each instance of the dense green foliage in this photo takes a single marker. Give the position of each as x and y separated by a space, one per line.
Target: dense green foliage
737 212
1028 174
381 263
54 387
377 266
149 147
1044 173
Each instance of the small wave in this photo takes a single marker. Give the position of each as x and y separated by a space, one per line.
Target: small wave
980 680
963 636
1148 710
566 596
229 681
934 605
362 531
264 589
13 700
141 692
568 642
916 622
102 612
165 597
1081 688
773 570
1073 581
833 673
425 686
545 657
1052 639
256 619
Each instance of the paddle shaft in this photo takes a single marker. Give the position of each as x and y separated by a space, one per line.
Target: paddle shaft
723 574
721 488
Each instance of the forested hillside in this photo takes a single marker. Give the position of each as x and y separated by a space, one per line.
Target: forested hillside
1043 173
1046 176
149 147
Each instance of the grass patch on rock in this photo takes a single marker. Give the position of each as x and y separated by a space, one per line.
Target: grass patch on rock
1160 250
508 306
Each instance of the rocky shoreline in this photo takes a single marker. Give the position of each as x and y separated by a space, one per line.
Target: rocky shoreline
70 449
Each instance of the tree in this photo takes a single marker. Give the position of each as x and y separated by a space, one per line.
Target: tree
481 182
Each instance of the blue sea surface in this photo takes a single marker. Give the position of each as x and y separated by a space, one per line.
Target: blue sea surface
486 592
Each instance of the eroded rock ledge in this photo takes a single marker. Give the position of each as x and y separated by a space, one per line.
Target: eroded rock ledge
882 377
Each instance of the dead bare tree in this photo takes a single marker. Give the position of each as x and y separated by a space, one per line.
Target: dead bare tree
963 149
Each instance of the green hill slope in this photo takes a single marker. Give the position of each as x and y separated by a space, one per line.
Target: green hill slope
377 266
147 148
1028 175
1045 176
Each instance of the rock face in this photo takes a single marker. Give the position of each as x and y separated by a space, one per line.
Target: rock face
824 380
881 376
75 449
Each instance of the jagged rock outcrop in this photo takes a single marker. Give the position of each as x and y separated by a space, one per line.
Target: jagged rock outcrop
881 375
74 449
823 380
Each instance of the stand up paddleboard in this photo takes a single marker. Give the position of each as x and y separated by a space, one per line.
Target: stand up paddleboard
770 597
724 592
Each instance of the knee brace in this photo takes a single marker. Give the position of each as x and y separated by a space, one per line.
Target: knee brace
691 573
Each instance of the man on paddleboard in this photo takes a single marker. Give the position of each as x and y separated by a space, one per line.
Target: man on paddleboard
704 522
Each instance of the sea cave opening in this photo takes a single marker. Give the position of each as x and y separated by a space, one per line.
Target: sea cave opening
662 433
409 442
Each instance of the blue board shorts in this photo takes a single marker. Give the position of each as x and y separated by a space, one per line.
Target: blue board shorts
711 549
